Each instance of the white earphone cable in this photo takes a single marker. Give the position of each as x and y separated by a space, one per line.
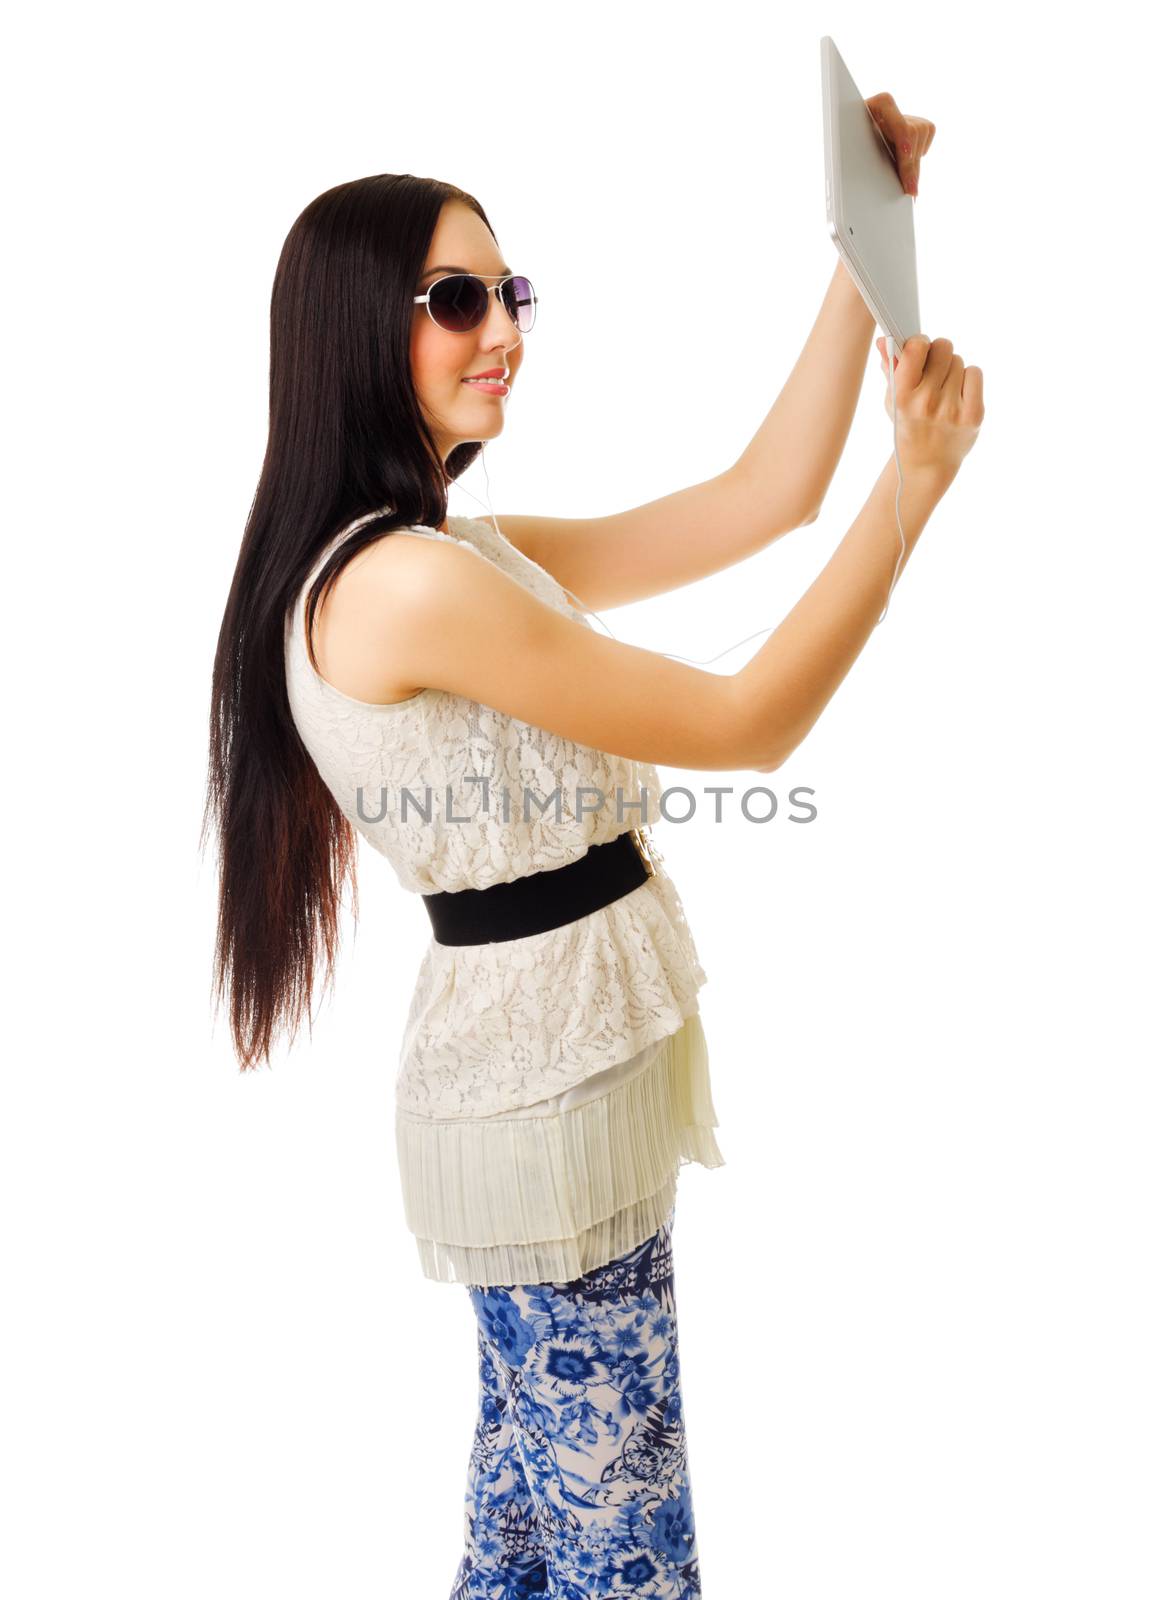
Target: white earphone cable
897 513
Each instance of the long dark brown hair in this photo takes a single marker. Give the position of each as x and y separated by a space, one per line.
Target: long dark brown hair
345 437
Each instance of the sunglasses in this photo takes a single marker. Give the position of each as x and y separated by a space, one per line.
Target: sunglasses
460 302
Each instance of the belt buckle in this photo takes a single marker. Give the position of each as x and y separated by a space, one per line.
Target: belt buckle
647 851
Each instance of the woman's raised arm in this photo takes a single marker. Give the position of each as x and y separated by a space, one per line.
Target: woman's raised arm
423 613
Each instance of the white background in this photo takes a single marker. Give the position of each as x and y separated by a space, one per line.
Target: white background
920 1308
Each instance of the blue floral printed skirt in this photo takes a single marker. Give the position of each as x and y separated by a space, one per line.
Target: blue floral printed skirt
578 1477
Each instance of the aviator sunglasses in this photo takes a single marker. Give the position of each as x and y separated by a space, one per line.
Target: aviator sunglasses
458 303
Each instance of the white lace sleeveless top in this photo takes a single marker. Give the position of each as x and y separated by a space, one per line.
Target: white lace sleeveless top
495 1027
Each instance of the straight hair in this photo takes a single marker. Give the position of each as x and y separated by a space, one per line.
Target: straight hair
346 436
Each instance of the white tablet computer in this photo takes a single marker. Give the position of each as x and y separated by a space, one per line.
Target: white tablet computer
870 215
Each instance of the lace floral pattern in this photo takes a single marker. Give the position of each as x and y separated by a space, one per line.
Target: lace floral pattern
456 794
500 1026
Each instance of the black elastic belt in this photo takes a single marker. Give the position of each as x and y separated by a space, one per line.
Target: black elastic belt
543 900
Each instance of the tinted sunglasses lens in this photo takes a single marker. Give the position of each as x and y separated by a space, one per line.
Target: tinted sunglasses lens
458 303
518 295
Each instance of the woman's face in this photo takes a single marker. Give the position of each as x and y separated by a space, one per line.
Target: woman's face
457 411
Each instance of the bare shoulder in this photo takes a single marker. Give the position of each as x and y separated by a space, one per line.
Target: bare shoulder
416 613
364 610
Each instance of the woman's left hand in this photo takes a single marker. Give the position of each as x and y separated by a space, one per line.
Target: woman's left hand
908 137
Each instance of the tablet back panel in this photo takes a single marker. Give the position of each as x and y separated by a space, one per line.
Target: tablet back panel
870 216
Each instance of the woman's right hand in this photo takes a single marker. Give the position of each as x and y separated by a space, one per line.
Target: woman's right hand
939 403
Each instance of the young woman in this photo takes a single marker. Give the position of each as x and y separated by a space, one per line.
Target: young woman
432 683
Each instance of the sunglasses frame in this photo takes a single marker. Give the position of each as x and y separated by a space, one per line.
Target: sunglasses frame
423 299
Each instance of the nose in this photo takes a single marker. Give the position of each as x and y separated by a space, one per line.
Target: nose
499 328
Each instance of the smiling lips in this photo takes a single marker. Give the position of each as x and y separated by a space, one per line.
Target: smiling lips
489 383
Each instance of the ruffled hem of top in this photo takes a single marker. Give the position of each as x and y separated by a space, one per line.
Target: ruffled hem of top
550 1260
536 1200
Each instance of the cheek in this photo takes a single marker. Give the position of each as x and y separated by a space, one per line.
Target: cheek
435 364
